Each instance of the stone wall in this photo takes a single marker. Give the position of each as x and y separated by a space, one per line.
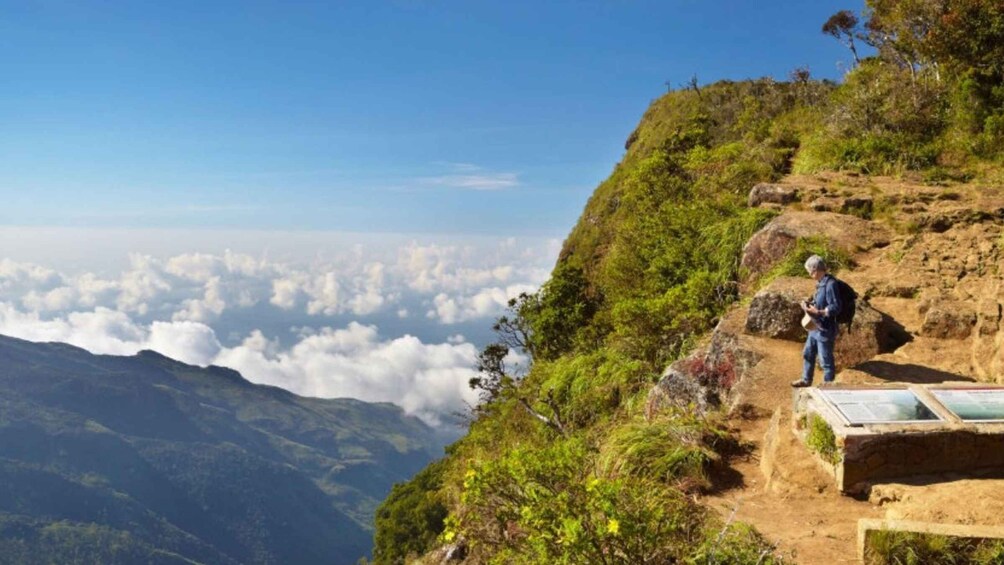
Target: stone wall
878 452
906 454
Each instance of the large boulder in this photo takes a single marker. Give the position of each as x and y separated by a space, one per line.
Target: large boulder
677 389
766 248
772 243
703 379
767 193
775 313
870 334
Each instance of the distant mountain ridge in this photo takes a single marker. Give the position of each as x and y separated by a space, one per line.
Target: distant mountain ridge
146 459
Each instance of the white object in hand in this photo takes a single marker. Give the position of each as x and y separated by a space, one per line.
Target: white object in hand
808 323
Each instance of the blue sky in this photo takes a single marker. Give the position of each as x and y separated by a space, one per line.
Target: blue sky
337 198
398 116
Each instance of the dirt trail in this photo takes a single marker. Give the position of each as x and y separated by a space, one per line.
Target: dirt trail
798 507
781 489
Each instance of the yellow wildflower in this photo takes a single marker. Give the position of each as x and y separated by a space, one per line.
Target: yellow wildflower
613 526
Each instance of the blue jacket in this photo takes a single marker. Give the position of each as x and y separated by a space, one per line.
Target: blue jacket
827 298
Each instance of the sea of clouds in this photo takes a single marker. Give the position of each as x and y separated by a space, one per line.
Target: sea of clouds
324 316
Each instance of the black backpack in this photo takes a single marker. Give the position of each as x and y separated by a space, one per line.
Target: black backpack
848 303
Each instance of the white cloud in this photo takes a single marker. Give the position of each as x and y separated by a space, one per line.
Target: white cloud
369 297
286 292
188 342
207 308
429 268
324 293
197 267
14 275
485 181
188 306
487 302
428 380
143 282
458 282
92 290
472 177
61 298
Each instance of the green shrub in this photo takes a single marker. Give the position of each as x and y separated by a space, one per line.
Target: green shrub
821 439
677 448
873 154
734 544
410 520
588 388
543 506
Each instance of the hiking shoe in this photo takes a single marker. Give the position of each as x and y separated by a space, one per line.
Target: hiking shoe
800 384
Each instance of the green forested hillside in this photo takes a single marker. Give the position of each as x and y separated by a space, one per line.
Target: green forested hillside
559 465
146 460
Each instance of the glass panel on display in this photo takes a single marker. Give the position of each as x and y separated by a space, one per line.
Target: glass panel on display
973 404
885 406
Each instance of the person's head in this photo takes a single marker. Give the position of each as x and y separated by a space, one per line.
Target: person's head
816 267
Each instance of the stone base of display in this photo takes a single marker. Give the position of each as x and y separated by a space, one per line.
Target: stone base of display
921 435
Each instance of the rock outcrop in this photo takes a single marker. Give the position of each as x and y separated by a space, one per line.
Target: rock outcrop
767 193
703 379
678 389
778 238
775 311
988 333
857 205
940 221
948 320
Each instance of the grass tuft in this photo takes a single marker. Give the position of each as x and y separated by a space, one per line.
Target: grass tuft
913 548
821 439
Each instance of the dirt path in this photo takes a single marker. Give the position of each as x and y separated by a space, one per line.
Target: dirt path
798 507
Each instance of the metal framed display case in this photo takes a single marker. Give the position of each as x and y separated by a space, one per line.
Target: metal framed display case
973 404
879 406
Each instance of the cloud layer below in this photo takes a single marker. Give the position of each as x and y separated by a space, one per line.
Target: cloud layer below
210 308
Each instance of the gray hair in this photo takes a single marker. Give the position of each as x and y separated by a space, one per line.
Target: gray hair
815 263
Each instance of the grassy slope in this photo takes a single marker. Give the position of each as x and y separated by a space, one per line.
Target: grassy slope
658 245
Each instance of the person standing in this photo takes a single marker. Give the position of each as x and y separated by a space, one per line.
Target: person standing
824 309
